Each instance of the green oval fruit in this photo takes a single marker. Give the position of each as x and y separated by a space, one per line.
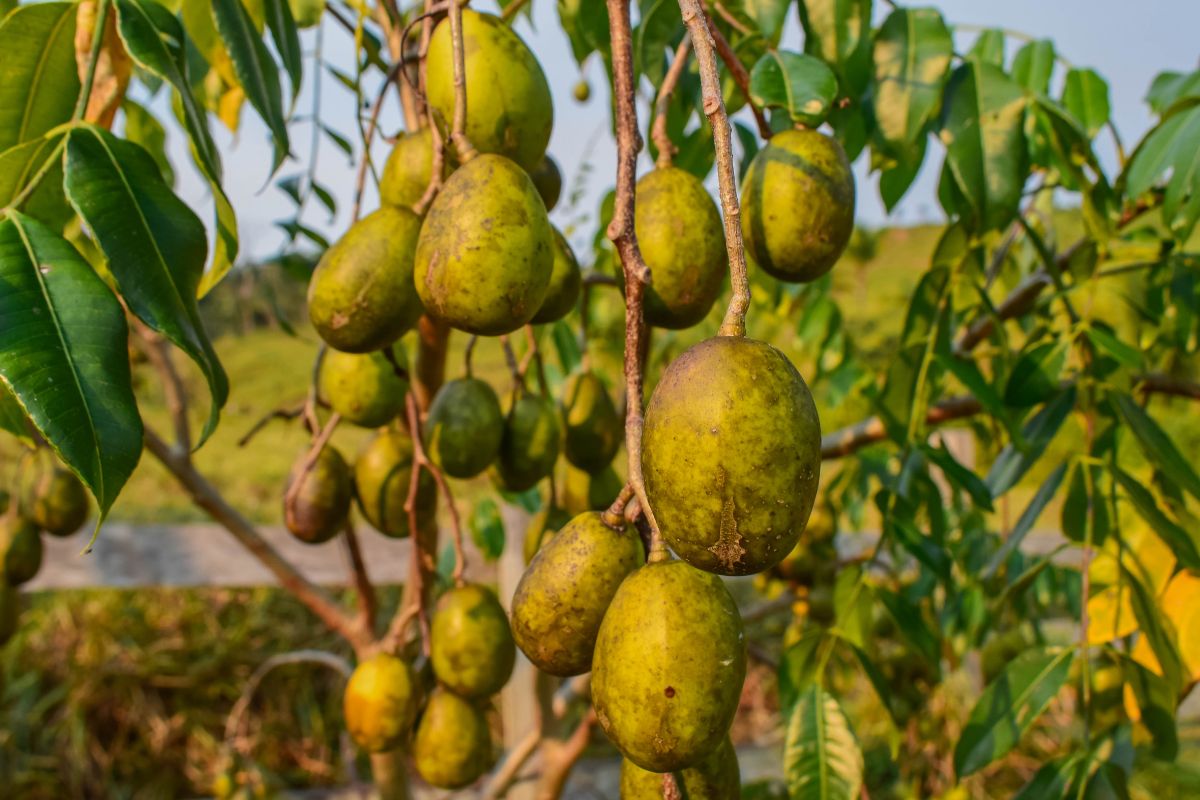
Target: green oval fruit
464 428
562 597
565 282
680 234
471 645
408 169
453 745
319 505
547 178
714 777
60 503
20 549
541 528
798 205
583 91
361 296
587 492
530 444
364 388
732 455
381 479
593 428
486 249
509 108
669 664
380 703
10 611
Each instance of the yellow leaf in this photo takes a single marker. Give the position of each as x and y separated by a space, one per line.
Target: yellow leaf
113 65
1144 554
229 107
1110 615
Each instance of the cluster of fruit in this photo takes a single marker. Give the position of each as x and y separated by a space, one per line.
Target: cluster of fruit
731 447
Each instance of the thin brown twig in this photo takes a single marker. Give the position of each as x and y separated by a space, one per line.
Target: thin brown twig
614 515
517 757
741 77
436 143
404 616
421 461
310 460
510 358
463 149
367 602
287 413
158 351
468 352
658 132
694 17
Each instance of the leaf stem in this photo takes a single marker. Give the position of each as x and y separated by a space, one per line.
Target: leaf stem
89 77
36 180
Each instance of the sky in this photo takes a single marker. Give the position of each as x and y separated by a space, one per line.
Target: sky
1127 43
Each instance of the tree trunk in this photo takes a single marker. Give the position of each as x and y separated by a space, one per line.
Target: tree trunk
390 775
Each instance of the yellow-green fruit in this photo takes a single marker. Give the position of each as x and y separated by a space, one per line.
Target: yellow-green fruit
562 597
453 745
20 549
10 611
361 296
509 108
593 429
471 647
530 445
464 428
584 491
408 169
315 510
565 283
381 703
541 529
381 479
714 777
486 249
680 234
60 503
669 664
364 388
583 91
798 205
548 180
732 455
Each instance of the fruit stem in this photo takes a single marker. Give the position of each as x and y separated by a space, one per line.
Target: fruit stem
462 146
734 323
421 462
662 104
741 77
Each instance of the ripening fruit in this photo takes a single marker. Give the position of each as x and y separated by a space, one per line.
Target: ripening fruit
380 703
10 611
582 91
798 205
381 478
453 746
318 509
593 429
682 240
471 645
584 491
562 597
669 664
547 179
541 528
565 283
464 427
486 249
361 296
20 549
509 108
732 455
714 777
364 388
407 171
60 503
530 445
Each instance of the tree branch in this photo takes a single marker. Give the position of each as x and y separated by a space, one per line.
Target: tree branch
367 601
658 132
740 76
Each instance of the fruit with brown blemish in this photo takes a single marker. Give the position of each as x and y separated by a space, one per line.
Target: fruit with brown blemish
566 590
315 509
471 645
731 453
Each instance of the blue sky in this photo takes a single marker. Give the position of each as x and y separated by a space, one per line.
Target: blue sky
1127 43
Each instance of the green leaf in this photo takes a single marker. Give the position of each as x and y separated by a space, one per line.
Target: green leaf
821 757
959 475
920 546
567 347
586 24
1009 706
1085 95
1048 783
911 624
839 33
487 529
983 128
988 48
1157 446
287 41
39 82
852 606
1034 65
143 128
1025 522
767 15
1157 701
912 54
803 86
154 244
1168 88
799 667
19 164
1034 378
1153 625
1185 545
1105 340
12 417
1171 148
256 70
65 356
968 374
659 23
1016 459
